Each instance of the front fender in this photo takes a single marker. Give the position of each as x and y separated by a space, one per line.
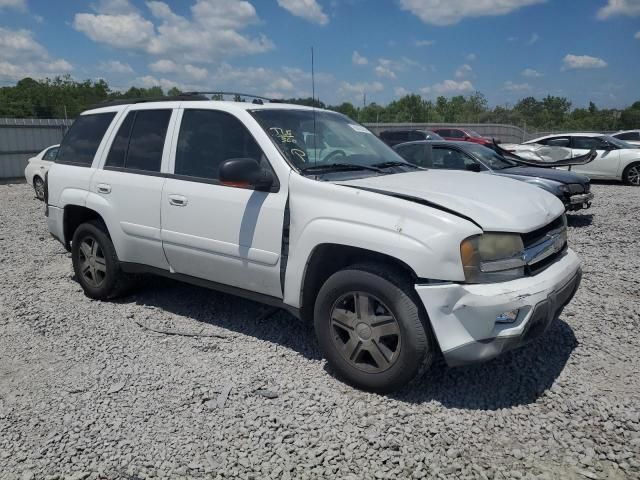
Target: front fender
425 260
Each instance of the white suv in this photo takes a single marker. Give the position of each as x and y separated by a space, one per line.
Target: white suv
307 210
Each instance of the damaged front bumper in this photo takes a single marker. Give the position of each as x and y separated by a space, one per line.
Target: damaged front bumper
469 321
579 201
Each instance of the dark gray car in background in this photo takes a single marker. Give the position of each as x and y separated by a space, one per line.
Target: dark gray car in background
574 190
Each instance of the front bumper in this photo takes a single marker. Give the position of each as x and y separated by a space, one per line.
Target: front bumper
463 316
579 201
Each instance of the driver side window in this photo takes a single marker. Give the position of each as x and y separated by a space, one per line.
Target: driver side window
207 139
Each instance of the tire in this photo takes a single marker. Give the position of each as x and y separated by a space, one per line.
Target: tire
357 345
38 187
631 175
103 278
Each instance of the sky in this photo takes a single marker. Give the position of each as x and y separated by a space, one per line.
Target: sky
586 50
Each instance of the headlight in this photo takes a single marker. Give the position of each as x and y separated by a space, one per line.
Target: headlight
492 257
564 188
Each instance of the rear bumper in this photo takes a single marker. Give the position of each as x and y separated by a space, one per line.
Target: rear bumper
464 317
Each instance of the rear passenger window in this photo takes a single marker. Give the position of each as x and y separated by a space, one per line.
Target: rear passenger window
140 140
207 139
81 142
555 142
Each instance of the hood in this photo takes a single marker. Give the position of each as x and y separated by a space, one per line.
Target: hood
562 176
495 203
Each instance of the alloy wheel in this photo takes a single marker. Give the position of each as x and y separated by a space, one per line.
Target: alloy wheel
633 176
38 186
365 332
93 266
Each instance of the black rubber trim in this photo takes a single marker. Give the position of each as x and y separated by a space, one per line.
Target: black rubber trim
128 267
284 251
413 199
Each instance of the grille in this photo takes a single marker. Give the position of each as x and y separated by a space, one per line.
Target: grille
532 238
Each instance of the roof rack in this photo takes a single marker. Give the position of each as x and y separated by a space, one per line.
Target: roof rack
186 96
256 98
130 101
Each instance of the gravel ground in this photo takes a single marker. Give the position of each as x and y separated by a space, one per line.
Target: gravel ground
89 390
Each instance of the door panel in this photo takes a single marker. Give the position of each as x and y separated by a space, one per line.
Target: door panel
606 164
135 199
224 234
221 233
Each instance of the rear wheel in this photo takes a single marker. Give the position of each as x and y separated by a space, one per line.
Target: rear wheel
38 186
371 329
95 262
631 175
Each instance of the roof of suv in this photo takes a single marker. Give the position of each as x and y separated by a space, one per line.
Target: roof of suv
200 103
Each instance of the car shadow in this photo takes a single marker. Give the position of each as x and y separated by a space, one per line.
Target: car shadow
579 221
229 312
516 378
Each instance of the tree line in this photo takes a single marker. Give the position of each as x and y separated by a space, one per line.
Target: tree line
63 97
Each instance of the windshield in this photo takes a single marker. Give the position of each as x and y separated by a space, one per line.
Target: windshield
313 139
617 142
490 158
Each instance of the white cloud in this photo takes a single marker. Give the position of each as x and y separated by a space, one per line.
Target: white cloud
533 39
463 71
22 56
637 35
516 87
129 31
531 73
573 62
361 88
401 91
472 57
16 4
308 9
424 43
385 72
115 66
630 8
186 71
358 59
449 87
448 12
212 33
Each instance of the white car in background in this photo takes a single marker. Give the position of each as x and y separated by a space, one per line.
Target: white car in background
38 167
616 160
630 136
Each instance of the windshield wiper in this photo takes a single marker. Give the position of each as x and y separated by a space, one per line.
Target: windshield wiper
338 167
396 164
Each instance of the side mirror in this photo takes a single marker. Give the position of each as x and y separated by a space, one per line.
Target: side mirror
245 172
474 167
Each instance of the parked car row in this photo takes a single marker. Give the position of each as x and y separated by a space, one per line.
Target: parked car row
616 159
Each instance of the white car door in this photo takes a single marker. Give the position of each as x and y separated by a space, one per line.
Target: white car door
606 164
127 190
222 233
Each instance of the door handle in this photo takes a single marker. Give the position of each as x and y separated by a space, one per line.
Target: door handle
178 200
104 188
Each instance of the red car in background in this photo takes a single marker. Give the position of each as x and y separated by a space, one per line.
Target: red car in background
462 135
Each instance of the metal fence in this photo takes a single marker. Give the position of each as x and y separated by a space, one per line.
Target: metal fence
21 139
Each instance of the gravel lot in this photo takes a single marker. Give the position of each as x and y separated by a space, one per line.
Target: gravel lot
88 390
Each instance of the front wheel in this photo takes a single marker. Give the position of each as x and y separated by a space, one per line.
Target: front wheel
38 186
370 328
631 175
